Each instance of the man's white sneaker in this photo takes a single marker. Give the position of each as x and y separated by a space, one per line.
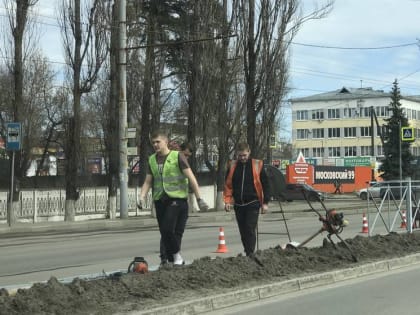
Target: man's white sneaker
178 259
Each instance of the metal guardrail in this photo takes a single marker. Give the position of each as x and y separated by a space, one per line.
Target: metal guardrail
39 203
398 199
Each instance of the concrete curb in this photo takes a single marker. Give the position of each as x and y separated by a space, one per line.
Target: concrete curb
220 301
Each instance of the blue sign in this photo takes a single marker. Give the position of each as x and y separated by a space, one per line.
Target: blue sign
13 136
407 134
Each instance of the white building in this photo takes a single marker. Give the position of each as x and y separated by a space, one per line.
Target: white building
338 124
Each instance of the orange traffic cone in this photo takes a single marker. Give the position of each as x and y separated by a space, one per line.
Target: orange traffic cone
365 226
404 221
221 248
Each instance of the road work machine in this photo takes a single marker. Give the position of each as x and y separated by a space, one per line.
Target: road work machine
332 222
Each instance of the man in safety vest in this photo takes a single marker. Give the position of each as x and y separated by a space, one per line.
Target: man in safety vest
186 149
247 192
169 173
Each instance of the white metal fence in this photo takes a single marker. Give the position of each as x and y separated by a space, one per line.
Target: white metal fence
38 203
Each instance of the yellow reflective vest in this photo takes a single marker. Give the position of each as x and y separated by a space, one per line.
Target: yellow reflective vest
170 180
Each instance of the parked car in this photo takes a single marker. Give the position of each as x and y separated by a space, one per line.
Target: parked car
397 189
299 191
378 190
374 191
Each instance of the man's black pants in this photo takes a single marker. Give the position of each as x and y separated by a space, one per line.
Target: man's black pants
172 216
247 219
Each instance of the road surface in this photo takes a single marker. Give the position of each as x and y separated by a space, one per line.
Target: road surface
35 258
381 294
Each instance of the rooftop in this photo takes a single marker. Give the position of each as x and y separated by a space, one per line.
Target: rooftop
344 93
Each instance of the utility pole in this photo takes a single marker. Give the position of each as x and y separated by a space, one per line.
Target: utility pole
400 150
122 67
372 142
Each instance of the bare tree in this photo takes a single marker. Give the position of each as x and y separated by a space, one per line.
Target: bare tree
265 35
148 60
85 50
223 112
21 49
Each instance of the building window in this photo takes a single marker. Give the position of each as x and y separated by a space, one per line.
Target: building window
349 112
334 151
365 150
302 115
318 152
365 131
365 112
305 151
302 134
317 114
333 113
381 130
318 133
333 132
349 132
350 151
379 150
382 111
416 151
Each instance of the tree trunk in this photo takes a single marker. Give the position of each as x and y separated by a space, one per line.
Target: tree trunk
73 154
20 163
192 82
250 78
146 101
222 121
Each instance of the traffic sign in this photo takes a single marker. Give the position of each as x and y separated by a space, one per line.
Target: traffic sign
13 136
407 134
273 141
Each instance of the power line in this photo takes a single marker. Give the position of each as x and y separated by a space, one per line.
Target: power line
181 42
355 48
339 76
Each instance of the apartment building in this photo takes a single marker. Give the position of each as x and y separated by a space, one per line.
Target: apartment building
338 124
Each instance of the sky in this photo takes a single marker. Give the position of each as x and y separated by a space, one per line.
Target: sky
346 48
358 25
353 24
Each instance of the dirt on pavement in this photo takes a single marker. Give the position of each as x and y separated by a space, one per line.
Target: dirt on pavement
127 292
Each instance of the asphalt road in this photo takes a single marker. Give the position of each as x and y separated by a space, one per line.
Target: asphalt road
381 294
34 258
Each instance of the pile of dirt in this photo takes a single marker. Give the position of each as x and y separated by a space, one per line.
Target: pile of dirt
126 292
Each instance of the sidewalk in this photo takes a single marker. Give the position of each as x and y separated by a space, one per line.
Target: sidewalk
103 224
47 227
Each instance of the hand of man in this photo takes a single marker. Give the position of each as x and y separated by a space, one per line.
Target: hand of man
202 205
264 208
228 207
141 204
